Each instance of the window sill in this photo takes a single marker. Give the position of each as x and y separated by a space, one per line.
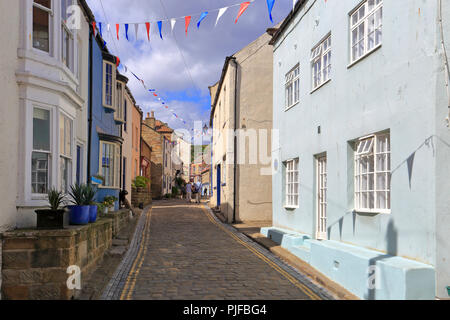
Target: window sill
364 56
111 188
320 86
288 108
109 109
371 212
291 208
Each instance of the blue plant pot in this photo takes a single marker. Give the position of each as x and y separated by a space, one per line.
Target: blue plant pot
79 215
93 214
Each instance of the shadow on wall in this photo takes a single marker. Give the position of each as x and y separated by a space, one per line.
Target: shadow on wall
372 281
156 180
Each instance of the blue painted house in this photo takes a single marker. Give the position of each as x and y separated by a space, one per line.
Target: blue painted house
105 119
361 189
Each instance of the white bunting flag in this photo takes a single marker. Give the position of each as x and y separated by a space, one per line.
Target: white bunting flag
220 14
172 23
108 26
136 29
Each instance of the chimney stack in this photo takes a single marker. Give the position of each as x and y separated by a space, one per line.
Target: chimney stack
150 120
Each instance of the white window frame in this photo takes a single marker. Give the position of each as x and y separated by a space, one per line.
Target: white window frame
50 25
113 85
114 167
120 97
49 153
70 60
358 22
368 167
321 194
66 155
292 184
292 88
321 57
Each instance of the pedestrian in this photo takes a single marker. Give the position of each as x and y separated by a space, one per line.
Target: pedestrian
198 188
188 192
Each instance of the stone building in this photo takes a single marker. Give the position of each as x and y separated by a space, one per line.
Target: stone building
362 177
242 104
158 136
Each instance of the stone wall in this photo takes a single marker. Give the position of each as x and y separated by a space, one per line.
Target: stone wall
140 196
35 262
119 219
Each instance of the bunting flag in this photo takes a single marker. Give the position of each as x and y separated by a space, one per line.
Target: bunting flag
160 29
136 29
187 21
220 14
172 23
244 7
100 27
126 31
93 28
104 44
117 30
147 26
108 27
203 16
117 61
270 4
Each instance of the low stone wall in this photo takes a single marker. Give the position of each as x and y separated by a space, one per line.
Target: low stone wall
35 262
119 219
139 196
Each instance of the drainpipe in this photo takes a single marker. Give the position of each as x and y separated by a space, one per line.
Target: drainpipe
90 107
235 138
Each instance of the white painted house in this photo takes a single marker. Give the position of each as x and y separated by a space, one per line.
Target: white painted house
43 128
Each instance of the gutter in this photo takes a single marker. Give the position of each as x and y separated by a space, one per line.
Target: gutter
90 107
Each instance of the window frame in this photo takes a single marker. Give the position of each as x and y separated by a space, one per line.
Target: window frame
370 149
365 21
288 183
118 113
50 12
116 165
318 53
49 154
63 155
291 79
70 50
113 86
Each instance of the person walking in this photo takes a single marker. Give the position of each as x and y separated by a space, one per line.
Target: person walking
198 189
188 192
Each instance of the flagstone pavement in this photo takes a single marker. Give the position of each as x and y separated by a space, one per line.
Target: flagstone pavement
181 251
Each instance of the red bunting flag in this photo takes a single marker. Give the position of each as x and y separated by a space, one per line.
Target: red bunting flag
147 25
117 31
93 28
187 20
117 61
155 94
244 7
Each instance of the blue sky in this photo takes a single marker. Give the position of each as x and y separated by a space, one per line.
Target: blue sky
181 67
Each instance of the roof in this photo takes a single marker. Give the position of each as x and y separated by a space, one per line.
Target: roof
162 127
286 22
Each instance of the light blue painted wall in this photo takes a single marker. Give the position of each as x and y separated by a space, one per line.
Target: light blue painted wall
101 121
399 87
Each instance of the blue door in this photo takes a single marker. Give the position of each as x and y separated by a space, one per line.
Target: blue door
218 185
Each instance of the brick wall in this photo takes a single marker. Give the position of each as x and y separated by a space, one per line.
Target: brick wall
35 262
140 196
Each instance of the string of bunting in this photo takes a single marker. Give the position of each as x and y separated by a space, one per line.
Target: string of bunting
98 26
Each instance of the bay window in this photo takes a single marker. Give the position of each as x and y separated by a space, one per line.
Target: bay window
110 164
292 184
67 38
42 15
41 154
321 63
292 85
366 28
109 76
373 174
65 150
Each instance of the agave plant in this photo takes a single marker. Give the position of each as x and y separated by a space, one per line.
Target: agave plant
55 199
77 193
89 194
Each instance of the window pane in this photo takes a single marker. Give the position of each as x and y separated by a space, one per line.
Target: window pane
39 173
41 29
65 49
41 129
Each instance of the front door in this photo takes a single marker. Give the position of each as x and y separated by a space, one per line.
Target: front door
219 174
321 174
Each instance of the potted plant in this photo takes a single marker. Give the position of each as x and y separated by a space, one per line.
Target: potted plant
89 195
109 202
79 212
140 182
52 218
